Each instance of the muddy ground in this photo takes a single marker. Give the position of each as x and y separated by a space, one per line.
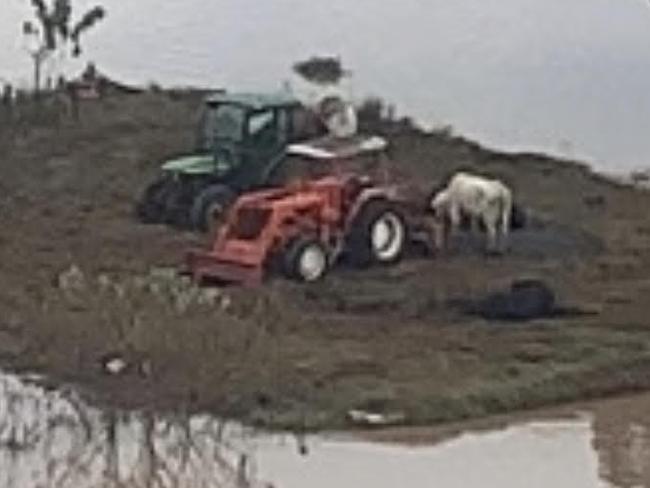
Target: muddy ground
82 280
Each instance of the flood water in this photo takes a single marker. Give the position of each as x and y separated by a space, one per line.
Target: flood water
51 438
568 78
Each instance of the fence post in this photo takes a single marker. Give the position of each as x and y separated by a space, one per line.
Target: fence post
7 100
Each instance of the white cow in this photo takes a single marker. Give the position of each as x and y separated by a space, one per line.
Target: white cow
479 198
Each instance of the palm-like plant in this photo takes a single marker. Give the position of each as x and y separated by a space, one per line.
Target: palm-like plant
54 29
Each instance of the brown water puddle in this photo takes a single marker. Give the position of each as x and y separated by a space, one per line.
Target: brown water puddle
53 439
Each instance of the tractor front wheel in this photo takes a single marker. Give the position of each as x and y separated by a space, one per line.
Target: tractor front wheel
378 234
306 259
210 205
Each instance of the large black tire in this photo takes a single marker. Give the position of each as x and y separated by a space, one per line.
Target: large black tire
365 246
211 203
306 259
150 209
177 204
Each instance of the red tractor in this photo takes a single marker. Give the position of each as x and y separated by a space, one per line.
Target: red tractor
305 228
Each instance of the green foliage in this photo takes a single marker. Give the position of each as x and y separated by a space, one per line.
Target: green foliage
88 20
322 70
55 27
371 113
61 14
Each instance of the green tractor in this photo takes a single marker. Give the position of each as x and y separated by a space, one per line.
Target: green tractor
241 141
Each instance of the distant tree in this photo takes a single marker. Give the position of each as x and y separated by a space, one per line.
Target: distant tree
320 70
371 114
53 29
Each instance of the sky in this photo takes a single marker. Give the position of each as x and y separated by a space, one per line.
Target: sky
569 77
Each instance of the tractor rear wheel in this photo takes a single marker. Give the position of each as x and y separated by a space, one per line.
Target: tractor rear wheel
210 205
151 207
306 259
377 235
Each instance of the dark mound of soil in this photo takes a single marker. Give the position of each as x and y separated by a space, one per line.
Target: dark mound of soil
536 240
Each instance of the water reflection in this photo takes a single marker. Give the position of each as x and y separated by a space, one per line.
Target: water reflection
533 455
52 439
622 440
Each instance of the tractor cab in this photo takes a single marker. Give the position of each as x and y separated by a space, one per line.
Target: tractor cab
240 133
241 138
237 135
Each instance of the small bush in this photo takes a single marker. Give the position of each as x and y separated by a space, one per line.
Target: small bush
322 70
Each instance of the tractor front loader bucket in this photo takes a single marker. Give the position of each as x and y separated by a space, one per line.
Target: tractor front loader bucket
203 265
241 248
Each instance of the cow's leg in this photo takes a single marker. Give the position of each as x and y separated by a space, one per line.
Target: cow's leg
441 235
475 225
455 221
492 236
491 222
505 221
503 238
436 235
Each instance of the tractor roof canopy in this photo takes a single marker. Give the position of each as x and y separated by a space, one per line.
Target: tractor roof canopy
254 101
330 147
363 155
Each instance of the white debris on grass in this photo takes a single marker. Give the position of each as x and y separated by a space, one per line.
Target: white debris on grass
363 417
71 279
115 366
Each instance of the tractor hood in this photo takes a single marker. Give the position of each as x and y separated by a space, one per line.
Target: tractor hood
195 164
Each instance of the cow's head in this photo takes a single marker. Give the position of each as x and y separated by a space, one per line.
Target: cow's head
438 204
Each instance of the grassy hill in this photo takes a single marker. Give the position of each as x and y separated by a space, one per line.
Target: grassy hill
82 279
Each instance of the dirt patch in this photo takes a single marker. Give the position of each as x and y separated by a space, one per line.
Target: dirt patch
303 356
538 241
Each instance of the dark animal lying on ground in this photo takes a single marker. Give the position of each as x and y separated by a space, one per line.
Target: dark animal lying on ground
525 300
